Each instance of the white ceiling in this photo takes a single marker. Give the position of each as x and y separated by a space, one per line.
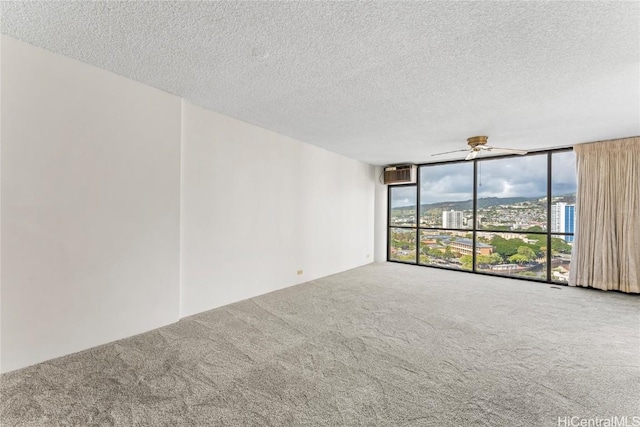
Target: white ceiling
382 82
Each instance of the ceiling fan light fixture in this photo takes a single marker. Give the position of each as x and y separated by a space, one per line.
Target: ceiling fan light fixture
474 141
478 143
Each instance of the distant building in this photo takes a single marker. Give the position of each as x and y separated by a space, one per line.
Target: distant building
452 219
430 239
563 219
465 247
504 267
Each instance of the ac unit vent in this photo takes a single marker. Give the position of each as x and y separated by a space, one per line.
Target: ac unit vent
400 174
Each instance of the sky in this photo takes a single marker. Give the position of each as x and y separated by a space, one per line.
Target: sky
507 177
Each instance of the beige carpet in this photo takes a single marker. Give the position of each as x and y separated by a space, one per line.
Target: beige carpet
382 345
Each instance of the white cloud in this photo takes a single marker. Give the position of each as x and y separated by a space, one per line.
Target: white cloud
501 177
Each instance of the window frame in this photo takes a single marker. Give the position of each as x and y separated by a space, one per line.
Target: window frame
474 230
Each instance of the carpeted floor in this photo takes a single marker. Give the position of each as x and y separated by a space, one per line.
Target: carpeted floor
382 345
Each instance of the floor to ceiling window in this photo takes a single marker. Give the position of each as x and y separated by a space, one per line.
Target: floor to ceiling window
446 214
511 216
563 213
402 223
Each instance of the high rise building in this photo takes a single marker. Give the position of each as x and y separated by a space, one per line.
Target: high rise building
452 219
569 221
563 219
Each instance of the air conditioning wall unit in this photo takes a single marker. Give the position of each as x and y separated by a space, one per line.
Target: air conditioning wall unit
400 174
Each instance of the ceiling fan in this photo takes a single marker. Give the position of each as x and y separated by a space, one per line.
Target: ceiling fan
478 143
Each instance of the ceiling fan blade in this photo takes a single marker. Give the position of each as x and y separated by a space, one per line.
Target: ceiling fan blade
506 150
472 155
449 152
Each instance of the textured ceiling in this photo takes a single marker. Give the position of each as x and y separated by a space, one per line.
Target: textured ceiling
382 82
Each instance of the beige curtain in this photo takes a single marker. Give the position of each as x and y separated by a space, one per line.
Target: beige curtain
606 249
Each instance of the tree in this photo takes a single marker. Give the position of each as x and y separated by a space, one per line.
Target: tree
527 252
538 238
483 260
559 245
467 262
434 252
483 239
518 259
505 247
523 255
495 258
408 257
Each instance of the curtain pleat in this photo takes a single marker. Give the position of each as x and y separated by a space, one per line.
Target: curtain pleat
606 249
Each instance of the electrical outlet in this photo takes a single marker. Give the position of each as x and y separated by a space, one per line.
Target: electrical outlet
299 272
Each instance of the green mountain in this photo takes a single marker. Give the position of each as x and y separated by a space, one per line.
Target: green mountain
485 202
565 198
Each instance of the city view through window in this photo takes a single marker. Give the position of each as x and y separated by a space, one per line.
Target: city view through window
522 224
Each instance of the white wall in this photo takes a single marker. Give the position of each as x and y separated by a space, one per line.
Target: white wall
90 206
96 171
258 206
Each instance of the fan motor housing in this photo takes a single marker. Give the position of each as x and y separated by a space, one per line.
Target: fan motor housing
474 141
